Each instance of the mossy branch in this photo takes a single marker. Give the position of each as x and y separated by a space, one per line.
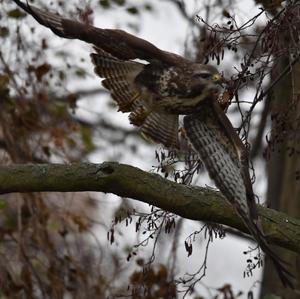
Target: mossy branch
110 177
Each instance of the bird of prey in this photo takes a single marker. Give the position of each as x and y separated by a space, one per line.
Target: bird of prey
153 93
156 94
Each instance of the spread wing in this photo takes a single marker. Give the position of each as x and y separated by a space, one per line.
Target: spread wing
225 158
118 43
218 153
162 128
120 81
241 155
114 50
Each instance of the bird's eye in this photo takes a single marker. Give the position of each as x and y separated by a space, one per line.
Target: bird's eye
203 75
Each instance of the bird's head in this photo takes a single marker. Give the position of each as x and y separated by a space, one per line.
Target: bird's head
205 78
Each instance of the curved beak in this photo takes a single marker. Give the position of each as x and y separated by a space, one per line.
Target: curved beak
218 80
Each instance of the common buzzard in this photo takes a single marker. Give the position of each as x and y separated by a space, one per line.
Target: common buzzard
156 93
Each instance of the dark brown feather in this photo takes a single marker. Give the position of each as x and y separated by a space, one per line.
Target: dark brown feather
120 80
242 155
213 137
118 43
161 128
120 76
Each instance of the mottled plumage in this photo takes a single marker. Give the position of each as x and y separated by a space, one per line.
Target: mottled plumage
218 154
225 159
156 93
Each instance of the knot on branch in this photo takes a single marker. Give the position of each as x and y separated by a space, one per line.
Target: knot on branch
105 168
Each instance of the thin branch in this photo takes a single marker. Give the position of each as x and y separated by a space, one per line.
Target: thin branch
257 143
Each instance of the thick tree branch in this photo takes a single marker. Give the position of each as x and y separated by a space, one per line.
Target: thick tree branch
189 202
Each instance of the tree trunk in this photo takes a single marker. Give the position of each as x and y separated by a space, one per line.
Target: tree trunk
284 170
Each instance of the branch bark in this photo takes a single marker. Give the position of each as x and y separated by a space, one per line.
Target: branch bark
194 203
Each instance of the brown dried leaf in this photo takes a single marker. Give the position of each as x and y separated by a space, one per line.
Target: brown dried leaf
42 70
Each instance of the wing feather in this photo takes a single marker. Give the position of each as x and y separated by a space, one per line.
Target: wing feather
220 154
161 128
242 155
217 154
119 43
120 76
